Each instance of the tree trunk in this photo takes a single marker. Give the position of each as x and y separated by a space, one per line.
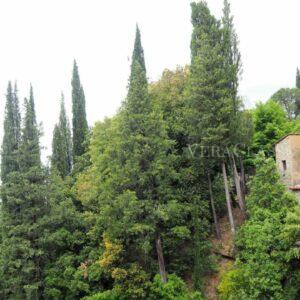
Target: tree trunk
228 201
161 261
237 181
243 179
213 208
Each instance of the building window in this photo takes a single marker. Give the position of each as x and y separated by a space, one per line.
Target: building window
284 165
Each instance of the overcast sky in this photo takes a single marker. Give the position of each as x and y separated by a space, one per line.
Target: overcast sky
40 39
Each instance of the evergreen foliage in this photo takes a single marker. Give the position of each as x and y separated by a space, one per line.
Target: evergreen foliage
139 177
25 191
130 209
214 106
79 122
63 239
298 79
61 158
12 133
138 51
263 269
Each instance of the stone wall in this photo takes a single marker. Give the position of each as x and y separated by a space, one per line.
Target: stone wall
283 152
288 162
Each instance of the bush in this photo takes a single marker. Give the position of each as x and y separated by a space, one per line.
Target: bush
107 295
174 289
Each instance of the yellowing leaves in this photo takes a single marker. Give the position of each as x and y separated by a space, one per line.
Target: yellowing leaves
111 253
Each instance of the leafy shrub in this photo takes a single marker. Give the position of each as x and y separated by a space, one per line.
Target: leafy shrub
174 289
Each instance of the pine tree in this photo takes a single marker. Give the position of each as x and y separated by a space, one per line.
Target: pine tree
12 131
26 205
61 159
79 121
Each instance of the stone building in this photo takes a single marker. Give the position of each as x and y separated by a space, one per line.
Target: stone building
287 151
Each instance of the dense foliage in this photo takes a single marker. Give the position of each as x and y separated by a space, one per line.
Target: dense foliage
131 209
267 266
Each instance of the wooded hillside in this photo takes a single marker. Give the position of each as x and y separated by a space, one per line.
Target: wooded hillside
178 188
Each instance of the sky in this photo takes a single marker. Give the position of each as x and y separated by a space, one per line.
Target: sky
40 40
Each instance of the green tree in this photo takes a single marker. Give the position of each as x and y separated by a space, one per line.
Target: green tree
209 87
212 94
143 153
79 121
289 100
130 157
61 158
12 133
64 238
262 269
298 79
138 51
169 94
231 54
270 124
25 191
233 69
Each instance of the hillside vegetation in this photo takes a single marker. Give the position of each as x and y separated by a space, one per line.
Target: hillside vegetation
175 197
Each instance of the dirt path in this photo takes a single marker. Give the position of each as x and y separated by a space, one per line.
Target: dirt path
223 246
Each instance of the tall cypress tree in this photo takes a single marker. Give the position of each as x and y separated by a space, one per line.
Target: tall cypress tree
138 100
138 51
232 67
145 148
61 158
17 114
79 121
139 175
12 132
30 136
298 79
231 54
26 193
211 90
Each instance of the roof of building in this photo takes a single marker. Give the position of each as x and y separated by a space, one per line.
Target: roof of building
295 188
285 136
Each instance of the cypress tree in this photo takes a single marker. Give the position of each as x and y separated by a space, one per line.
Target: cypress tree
138 51
61 159
298 79
211 110
209 94
79 121
138 100
30 136
26 205
232 59
231 54
12 131
17 114
145 147
139 174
